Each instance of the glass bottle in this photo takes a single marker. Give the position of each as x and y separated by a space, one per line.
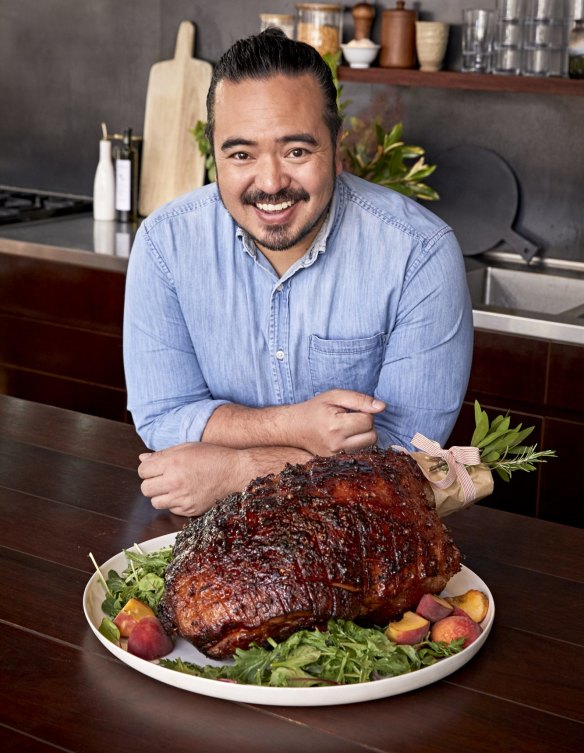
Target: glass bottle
576 49
127 179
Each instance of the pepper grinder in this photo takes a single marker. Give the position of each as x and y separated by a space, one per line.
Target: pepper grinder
398 37
363 15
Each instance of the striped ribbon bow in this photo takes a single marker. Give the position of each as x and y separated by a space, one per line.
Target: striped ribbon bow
456 458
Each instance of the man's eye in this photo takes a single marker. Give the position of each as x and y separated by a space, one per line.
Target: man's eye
298 152
239 156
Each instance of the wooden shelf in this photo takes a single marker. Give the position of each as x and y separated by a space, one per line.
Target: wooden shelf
458 80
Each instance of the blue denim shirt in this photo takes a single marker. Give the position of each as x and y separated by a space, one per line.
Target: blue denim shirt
378 304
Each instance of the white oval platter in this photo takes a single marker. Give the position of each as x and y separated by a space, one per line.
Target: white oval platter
94 595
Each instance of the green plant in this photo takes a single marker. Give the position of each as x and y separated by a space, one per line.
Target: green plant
205 149
368 151
382 157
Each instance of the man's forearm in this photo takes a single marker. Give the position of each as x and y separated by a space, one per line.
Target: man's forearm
241 427
331 421
255 462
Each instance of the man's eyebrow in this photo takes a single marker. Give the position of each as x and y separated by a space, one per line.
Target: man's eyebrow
307 138
235 141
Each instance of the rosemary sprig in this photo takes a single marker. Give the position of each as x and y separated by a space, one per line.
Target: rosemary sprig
524 460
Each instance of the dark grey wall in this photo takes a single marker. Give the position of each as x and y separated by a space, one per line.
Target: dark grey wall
67 65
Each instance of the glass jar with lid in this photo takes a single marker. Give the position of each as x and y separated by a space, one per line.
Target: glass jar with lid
320 25
283 21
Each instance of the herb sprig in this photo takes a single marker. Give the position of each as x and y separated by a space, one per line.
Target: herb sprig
343 654
502 447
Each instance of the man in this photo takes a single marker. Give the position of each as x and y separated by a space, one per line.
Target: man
290 309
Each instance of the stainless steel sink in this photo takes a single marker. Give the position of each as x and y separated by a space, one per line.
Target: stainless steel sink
540 292
540 300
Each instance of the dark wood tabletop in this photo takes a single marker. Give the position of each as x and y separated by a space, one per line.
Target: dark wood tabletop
68 486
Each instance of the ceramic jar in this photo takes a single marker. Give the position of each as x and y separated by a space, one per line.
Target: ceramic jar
398 37
431 41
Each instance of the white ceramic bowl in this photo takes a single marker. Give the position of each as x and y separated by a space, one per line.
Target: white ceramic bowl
360 57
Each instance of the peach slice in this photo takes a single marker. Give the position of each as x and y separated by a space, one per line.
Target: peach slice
412 628
433 607
130 615
475 603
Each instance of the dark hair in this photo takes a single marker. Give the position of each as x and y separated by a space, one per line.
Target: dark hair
268 54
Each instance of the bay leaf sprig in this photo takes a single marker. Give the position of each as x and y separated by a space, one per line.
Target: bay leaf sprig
502 447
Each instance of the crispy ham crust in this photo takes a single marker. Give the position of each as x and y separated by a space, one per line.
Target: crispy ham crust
354 536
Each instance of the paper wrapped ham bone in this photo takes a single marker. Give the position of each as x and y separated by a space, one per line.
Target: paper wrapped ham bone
457 476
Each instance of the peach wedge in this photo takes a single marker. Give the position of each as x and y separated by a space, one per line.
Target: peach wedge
475 603
411 629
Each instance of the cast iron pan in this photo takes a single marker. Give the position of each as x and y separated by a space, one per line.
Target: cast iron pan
479 199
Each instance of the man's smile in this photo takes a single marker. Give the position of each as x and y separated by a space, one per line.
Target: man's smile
275 207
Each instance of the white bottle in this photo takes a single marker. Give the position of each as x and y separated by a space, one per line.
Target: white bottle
104 185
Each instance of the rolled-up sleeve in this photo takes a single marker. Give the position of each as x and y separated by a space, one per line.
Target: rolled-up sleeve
167 394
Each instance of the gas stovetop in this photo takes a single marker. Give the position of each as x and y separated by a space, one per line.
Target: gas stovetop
23 205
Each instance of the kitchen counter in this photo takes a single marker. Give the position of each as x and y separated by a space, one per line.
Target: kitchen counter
106 245
72 240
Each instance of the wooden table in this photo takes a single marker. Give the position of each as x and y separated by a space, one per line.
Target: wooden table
68 486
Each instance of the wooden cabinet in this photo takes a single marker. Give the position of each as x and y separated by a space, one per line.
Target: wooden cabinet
540 383
61 344
61 334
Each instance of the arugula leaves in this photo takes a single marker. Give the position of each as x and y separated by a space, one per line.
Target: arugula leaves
142 579
343 654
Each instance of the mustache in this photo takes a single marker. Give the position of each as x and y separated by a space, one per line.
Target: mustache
260 197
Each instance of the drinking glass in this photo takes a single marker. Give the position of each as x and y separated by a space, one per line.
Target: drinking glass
509 27
478 27
545 44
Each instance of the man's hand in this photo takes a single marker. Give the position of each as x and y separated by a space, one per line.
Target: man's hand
189 478
334 420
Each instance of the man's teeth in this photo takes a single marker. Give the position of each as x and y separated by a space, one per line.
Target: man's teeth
274 207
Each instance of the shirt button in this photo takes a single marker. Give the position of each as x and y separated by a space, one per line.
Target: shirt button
279 289
280 355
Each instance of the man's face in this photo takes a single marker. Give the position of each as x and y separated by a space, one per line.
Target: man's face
276 165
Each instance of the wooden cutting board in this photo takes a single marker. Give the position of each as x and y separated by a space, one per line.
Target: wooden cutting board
176 99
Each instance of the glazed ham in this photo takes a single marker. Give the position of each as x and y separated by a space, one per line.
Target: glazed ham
353 536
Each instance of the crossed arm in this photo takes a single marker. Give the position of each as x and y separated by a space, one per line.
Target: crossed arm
240 444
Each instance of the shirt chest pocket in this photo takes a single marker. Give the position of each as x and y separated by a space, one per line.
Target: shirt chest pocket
345 364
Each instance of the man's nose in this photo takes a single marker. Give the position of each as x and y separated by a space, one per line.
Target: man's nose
272 175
